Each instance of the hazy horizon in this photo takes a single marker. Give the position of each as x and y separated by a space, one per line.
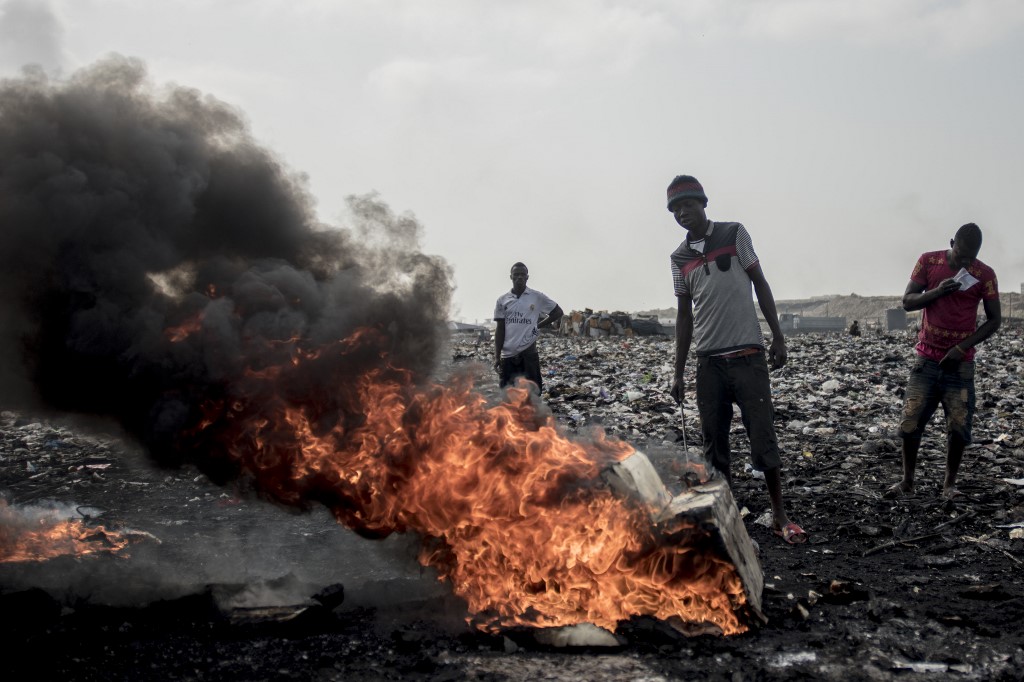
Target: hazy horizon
848 137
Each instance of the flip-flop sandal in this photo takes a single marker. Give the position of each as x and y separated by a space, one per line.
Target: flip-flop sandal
792 534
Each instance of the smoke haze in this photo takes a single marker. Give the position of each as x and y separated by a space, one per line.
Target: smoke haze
30 33
154 257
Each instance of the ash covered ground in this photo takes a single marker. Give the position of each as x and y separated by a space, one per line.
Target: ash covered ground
219 585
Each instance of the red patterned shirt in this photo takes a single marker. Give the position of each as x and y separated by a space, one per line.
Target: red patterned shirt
950 319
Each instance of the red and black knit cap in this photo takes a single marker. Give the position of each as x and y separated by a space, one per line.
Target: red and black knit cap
685 187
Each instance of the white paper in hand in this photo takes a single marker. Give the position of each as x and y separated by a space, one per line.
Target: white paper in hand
966 279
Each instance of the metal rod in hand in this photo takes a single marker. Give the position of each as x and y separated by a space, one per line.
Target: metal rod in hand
682 416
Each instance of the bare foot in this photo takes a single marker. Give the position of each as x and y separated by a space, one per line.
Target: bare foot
897 491
951 493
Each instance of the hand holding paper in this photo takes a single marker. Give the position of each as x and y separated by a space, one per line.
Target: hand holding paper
966 279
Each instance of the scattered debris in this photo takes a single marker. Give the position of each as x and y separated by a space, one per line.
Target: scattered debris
948 580
602 324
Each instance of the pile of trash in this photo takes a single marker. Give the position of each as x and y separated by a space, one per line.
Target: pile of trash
602 324
836 391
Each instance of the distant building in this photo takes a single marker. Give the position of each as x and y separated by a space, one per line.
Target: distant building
895 319
799 324
464 328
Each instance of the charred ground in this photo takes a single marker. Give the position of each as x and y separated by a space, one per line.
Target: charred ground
884 588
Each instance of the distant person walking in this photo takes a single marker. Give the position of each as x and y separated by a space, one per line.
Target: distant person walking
712 273
947 285
518 314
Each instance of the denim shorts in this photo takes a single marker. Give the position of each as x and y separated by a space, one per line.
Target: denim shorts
744 381
928 387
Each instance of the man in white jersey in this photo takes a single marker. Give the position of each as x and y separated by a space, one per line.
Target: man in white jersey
518 314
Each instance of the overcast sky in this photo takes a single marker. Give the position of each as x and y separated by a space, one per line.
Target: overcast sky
848 137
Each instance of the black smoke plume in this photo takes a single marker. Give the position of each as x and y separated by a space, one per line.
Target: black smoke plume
154 258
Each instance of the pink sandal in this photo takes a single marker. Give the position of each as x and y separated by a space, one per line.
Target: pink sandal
791 533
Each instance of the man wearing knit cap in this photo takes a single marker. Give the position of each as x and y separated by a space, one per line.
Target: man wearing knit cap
947 285
712 273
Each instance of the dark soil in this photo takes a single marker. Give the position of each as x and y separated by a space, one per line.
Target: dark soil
884 589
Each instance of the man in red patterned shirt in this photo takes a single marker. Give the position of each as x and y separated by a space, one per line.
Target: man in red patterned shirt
947 286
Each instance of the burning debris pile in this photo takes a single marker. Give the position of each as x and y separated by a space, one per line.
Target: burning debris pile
166 272
40 533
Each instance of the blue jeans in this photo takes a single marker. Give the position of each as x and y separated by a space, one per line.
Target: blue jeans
928 387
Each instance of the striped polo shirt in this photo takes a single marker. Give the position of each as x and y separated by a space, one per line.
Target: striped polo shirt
716 279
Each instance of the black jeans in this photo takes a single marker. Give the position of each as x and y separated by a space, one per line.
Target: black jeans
526 364
744 381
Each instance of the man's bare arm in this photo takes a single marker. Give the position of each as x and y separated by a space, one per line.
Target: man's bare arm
766 301
499 341
993 319
915 297
684 336
554 316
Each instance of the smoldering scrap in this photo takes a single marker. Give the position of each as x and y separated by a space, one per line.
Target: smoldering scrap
168 272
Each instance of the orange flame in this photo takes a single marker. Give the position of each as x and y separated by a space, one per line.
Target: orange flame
42 537
512 513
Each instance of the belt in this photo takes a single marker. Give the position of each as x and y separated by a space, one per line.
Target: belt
739 354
